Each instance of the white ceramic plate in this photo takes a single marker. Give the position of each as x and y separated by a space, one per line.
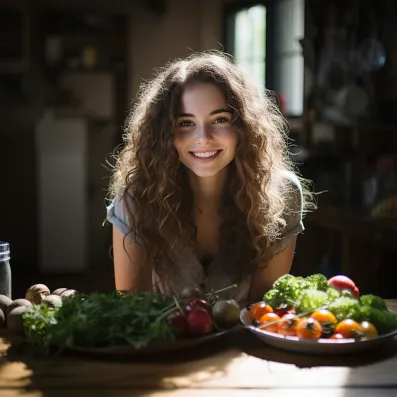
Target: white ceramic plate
321 346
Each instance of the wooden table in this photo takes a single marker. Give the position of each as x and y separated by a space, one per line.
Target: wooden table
236 365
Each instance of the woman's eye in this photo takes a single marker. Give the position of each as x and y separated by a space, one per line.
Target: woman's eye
184 123
221 120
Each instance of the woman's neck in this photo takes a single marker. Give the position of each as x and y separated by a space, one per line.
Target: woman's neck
207 192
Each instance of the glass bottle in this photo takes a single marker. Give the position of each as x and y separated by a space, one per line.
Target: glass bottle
5 269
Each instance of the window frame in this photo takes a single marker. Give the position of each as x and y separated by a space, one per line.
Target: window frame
271 55
232 7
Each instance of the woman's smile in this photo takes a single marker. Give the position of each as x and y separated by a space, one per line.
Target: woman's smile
205 156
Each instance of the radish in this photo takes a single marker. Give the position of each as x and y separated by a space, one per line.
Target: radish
341 283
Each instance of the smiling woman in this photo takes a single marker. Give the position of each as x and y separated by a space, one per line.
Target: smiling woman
204 194
204 135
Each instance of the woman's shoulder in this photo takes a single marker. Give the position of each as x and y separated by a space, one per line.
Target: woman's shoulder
290 180
118 208
292 195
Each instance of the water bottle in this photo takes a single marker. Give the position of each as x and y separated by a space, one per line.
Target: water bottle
5 269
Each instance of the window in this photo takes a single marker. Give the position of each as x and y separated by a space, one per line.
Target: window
250 42
288 30
263 37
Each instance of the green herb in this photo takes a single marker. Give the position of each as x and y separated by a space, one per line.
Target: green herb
100 320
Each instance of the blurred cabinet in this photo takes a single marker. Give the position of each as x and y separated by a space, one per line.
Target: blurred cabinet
71 186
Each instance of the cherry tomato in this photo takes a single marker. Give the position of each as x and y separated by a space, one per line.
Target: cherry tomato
349 328
368 330
199 321
309 328
336 336
282 310
177 321
324 317
258 310
287 325
197 302
268 318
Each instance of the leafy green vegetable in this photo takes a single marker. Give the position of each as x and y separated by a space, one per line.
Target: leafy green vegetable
383 320
345 307
100 320
333 294
373 301
311 299
288 288
273 298
317 281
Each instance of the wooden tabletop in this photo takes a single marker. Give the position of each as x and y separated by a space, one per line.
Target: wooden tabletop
235 365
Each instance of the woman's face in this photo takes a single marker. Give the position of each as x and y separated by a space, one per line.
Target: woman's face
204 135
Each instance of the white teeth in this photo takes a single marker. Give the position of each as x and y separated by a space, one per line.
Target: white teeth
205 155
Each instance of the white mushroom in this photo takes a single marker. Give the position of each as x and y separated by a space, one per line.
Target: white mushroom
69 293
36 293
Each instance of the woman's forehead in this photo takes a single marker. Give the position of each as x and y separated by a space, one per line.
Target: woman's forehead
200 97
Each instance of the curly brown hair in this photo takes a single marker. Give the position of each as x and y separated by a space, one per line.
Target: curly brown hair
160 203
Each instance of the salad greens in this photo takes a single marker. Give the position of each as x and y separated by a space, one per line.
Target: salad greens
100 320
288 288
313 292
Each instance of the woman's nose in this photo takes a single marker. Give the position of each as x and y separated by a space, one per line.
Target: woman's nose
204 134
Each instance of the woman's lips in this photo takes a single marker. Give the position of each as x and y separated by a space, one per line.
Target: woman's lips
205 155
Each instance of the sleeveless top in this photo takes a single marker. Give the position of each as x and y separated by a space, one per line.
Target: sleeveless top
212 277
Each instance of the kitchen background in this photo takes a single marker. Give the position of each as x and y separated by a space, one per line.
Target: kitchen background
69 71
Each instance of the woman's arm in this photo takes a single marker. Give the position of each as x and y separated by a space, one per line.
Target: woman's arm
278 265
132 270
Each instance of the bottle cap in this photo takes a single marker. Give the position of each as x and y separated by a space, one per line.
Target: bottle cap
4 251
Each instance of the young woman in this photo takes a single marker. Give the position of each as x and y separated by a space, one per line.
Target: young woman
203 193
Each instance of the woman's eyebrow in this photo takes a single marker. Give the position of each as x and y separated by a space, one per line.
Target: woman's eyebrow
220 111
211 114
